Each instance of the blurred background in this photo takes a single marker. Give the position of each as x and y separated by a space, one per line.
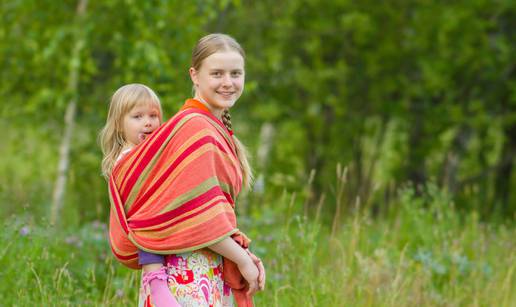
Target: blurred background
346 104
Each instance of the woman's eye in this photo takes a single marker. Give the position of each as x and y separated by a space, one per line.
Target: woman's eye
236 73
216 74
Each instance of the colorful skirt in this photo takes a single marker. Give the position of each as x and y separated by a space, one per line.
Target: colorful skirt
195 279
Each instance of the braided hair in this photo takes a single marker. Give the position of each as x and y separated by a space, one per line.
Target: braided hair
226 119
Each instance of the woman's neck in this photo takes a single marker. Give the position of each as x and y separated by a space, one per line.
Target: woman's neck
215 111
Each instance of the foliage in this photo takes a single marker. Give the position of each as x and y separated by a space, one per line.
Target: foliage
340 80
399 91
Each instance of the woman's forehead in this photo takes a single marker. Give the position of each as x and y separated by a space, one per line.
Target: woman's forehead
224 60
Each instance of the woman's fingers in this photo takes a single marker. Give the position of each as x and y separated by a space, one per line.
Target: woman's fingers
261 269
261 275
253 288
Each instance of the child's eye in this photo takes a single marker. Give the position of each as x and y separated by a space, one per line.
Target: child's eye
137 116
236 73
216 74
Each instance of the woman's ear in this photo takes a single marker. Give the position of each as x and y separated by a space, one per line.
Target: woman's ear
193 76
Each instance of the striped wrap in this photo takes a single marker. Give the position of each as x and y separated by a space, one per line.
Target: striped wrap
175 191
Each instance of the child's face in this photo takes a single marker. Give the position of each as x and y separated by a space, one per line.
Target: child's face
220 80
140 122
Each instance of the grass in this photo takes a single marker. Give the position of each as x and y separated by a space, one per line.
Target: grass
423 253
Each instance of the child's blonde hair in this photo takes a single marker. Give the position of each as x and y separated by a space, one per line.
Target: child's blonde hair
206 46
112 138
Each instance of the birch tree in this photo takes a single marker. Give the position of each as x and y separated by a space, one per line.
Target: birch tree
69 119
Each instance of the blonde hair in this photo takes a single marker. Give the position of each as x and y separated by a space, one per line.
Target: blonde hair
212 43
205 47
112 138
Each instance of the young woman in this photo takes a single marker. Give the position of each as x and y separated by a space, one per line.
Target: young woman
175 193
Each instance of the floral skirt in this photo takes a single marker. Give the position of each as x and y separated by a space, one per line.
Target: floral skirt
195 279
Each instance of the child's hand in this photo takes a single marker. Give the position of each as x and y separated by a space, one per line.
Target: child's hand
250 273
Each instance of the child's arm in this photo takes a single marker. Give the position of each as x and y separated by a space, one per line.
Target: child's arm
155 274
228 248
151 267
157 280
150 261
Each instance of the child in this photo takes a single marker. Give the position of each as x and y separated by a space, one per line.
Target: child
134 113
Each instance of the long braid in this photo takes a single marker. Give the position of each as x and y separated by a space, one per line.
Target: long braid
226 119
241 151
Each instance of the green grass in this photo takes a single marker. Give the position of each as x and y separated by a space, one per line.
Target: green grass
423 253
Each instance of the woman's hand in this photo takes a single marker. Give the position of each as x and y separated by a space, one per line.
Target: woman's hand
248 264
261 269
250 273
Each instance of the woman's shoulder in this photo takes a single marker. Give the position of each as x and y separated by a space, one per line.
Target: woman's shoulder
196 121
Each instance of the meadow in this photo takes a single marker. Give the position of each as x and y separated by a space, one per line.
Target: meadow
421 253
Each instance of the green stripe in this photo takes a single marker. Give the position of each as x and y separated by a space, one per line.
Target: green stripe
144 175
189 249
191 194
228 189
224 134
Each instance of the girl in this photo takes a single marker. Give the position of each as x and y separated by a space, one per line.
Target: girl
174 194
134 113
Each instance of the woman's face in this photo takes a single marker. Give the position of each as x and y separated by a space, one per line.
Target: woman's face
219 81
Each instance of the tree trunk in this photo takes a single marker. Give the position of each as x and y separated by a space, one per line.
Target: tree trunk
69 120
416 161
504 171
452 160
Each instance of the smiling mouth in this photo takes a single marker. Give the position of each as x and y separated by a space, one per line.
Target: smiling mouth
226 93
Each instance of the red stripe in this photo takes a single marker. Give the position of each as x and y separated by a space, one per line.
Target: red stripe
140 159
187 206
157 184
155 142
136 169
221 124
161 137
193 103
143 145
189 216
221 223
132 174
118 256
218 121
229 198
117 205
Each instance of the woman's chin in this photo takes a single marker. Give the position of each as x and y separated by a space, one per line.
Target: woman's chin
229 101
